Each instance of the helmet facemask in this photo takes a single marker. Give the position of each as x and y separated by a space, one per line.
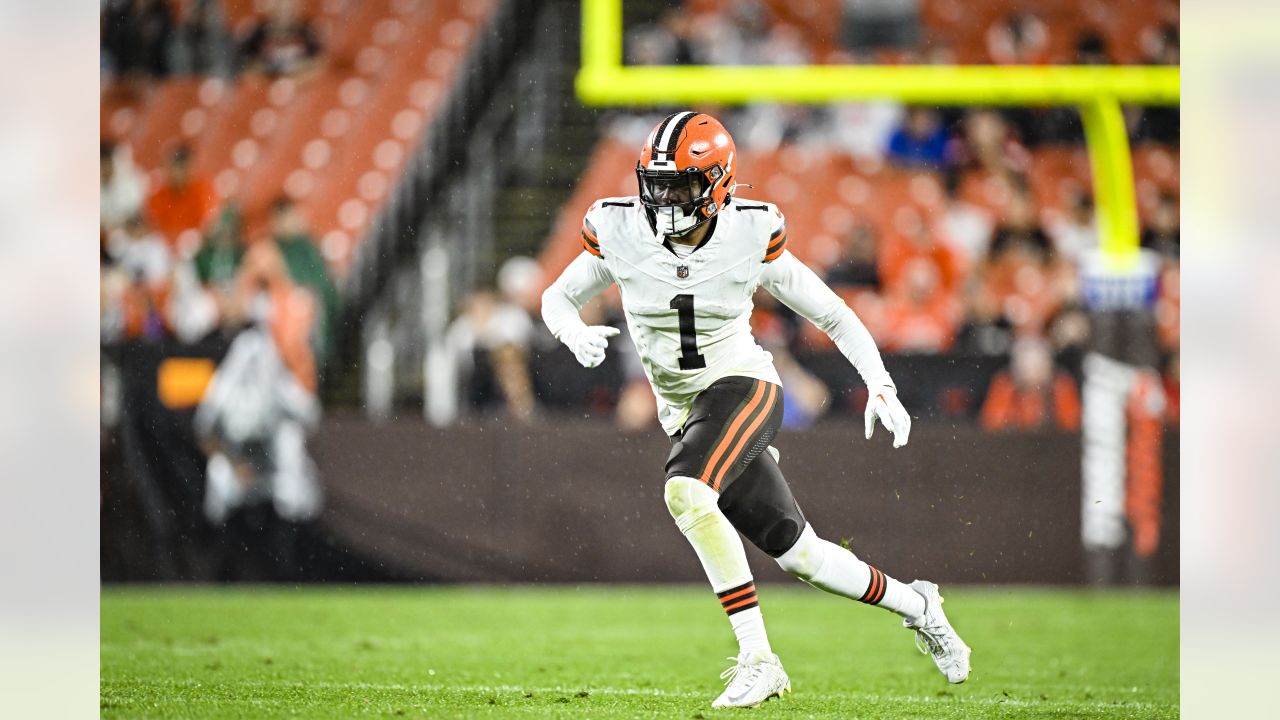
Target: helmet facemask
680 201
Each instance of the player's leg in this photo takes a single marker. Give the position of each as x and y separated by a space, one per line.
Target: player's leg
760 505
722 434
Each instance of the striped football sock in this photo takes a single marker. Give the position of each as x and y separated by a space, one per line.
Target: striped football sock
829 567
742 606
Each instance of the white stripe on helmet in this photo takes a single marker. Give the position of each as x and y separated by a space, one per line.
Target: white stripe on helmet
664 144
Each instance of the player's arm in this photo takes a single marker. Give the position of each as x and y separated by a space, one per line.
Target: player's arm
585 278
800 289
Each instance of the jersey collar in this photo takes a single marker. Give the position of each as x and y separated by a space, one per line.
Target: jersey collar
711 231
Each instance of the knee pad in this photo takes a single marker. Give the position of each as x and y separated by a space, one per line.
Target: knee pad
689 500
806 556
780 537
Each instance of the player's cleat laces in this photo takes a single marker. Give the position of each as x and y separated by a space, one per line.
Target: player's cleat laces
935 636
751 680
735 670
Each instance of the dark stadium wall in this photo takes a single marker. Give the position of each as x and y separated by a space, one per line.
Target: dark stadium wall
578 501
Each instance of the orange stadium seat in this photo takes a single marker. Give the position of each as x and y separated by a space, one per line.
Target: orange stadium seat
161 124
121 111
229 148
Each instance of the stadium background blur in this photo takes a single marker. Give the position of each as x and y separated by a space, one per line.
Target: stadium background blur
382 189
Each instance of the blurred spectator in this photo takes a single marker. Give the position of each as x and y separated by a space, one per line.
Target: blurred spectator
282 44
520 280
135 286
1163 231
734 36
1031 394
921 140
1024 287
1091 48
785 45
205 288
203 45
965 228
306 267
182 204
1068 332
987 145
875 24
985 331
136 35
260 406
913 241
140 253
663 43
1021 278
863 129
1161 45
1077 230
856 265
219 258
491 339
1018 39
1160 124
919 316
123 186
1020 228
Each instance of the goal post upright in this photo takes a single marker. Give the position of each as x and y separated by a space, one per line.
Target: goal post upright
1099 92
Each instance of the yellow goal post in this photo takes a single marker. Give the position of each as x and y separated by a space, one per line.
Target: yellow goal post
1098 91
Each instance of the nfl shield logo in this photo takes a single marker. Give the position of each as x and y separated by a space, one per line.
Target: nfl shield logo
682 271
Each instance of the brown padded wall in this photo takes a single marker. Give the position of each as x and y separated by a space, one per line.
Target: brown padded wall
575 501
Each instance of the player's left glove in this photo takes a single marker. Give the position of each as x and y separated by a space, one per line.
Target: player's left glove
883 403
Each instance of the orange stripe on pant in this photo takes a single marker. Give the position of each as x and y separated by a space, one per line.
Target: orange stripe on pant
771 396
727 441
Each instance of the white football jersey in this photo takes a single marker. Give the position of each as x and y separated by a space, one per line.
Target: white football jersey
689 317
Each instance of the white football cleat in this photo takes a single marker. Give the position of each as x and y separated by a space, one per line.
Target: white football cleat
751 680
936 637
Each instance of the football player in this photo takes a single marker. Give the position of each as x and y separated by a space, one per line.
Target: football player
687 255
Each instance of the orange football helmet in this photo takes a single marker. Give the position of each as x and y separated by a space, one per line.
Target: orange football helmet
686 171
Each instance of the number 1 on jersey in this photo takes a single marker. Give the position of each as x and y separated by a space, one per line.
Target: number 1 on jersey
690 358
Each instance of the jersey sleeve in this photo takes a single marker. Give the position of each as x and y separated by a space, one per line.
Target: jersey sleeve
777 236
582 280
800 289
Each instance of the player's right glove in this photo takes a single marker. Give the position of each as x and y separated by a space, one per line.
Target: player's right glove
588 343
883 404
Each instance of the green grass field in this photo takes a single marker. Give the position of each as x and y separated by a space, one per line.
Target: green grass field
620 652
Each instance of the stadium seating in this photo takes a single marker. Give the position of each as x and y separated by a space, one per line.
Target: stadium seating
335 141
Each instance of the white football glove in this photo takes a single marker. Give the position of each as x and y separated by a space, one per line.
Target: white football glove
883 403
588 343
